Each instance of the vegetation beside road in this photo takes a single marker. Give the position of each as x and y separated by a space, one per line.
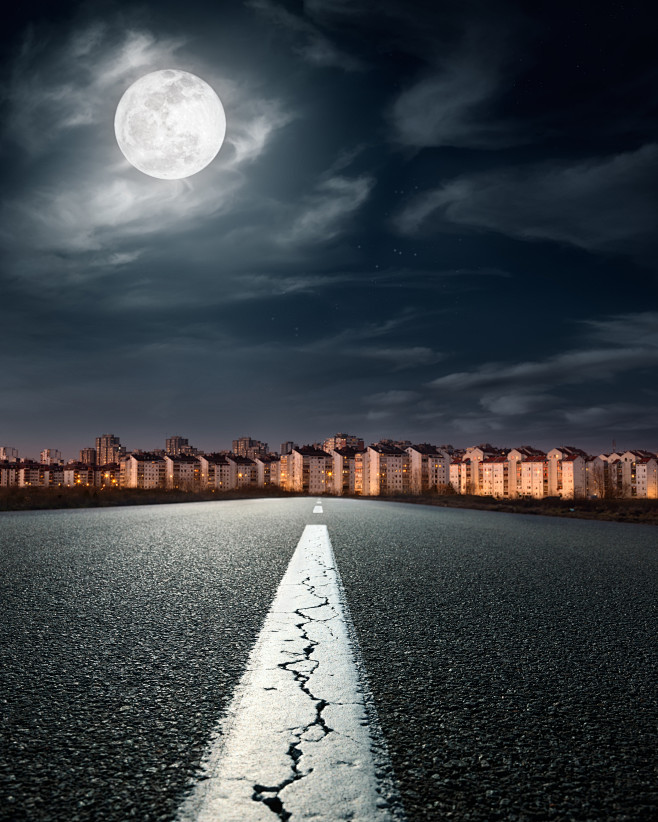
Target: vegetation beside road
31 499
617 510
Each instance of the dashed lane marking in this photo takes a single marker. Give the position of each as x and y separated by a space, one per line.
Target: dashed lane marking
318 509
300 740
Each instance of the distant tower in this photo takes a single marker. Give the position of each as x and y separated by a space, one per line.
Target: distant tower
88 456
343 441
108 449
49 456
174 445
246 447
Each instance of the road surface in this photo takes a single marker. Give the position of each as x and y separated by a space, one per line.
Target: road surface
463 665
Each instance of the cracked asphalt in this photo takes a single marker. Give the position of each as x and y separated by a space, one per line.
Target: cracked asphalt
511 658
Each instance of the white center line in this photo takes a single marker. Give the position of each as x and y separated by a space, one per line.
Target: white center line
318 509
296 740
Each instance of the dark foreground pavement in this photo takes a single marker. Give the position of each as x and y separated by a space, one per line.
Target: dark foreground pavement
510 657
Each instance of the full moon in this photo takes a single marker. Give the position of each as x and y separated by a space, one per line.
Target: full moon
170 124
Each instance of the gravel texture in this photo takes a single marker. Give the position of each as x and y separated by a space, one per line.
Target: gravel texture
512 659
122 635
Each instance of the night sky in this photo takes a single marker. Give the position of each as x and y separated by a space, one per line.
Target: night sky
429 221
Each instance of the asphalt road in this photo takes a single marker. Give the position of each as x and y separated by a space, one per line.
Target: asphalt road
511 658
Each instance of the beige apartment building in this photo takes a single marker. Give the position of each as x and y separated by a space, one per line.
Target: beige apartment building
267 471
429 468
646 478
108 449
182 472
33 473
8 474
309 470
532 477
339 441
493 476
143 471
343 475
382 469
566 472
79 474
243 471
216 472
468 477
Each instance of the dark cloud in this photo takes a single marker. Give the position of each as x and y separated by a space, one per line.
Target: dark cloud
599 204
310 42
453 100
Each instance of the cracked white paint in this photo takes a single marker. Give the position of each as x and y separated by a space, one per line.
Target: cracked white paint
295 743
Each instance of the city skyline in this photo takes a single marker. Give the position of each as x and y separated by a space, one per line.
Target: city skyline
427 221
171 443
336 468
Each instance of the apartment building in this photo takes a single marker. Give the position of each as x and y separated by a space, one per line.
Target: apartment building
108 449
243 470
50 456
532 477
79 475
429 468
455 474
176 445
308 470
343 471
30 473
384 470
267 471
246 447
215 472
8 474
566 472
646 477
492 479
182 472
143 471
343 441
469 476
88 456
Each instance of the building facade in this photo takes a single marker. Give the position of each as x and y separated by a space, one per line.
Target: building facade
108 449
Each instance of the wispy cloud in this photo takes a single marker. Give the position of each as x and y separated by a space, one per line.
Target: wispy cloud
448 107
561 369
566 389
56 87
323 213
453 100
599 204
625 329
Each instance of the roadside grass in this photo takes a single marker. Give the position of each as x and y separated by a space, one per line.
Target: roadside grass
617 510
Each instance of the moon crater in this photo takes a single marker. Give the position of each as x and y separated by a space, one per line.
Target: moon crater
170 124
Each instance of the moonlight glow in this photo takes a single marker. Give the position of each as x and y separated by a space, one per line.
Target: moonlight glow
170 124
